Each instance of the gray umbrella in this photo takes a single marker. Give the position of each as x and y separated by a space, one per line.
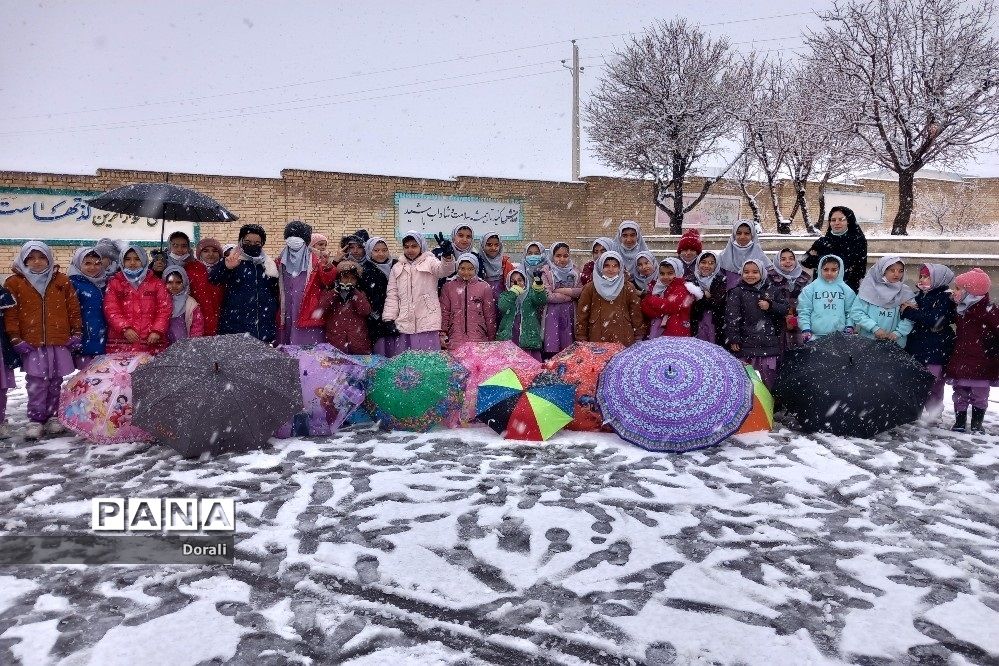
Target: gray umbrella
220 393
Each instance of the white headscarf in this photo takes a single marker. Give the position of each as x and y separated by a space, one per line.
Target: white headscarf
531 271
733 257
369 247
643 282
40 281
76 266
470 258
521 297
179 300
454 235
677 265
940 275
608 244
569 274
418 237
706 280
493 266
795 272
876 290
630 257
143 257
296 257
608 288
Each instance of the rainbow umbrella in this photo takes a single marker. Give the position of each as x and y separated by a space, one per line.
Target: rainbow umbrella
97 403
485 359
535 413
417 390
761 415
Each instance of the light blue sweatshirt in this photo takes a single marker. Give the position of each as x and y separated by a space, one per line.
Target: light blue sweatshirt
823 306
868 318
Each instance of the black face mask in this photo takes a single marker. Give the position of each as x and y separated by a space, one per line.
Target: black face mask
252 249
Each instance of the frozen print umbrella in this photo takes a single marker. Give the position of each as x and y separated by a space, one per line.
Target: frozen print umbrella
851 385
534 414
580 364
674 394
417 390
761 416
216 394
333 386
97 402
485 359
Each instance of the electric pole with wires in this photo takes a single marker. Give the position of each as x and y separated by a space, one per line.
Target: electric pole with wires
576 70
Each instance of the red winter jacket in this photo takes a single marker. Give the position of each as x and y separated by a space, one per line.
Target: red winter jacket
977 337
346 323
209 296
146 310
674 304
320 278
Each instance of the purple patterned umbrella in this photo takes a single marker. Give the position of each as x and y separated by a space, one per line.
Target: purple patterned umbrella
674 394
333 385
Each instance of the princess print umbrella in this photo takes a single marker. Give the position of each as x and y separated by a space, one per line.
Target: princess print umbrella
674 394
333 385
417 390
97 403
534 414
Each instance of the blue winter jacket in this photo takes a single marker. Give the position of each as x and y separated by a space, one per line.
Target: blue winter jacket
95 326
250 304
931 341
10 358
824 307
868 318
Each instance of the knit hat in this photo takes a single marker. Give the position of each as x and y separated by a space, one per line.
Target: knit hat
348 266
208 242
299 229
253 229
318 238
691 240
976 282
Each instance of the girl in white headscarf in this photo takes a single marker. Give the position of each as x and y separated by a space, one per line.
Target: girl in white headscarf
630 244
89 278
876 312
743 246
563 287
186 320
610 309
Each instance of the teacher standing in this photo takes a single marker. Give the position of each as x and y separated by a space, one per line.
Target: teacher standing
845 239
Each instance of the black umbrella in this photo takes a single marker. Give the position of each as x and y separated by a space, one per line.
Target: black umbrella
220 393
163 201
852 385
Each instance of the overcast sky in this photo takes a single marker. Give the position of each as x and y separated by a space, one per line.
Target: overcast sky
433 89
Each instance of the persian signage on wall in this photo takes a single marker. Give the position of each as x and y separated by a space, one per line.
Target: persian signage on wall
715 210
433 213
65 215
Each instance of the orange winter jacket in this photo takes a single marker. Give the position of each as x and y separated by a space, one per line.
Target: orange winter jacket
37 321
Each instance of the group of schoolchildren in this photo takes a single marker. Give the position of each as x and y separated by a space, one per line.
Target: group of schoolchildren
362 301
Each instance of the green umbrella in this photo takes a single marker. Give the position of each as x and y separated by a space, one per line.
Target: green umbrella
417 390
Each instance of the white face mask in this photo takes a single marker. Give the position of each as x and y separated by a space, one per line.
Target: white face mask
180 257
294 242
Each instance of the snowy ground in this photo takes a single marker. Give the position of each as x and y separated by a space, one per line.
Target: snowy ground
459 548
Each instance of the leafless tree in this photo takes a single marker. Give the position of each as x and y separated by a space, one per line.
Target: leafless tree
743 174
922 79
665 105
950 208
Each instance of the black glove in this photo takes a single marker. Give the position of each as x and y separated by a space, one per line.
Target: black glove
345 290
446 246
439 237
391 329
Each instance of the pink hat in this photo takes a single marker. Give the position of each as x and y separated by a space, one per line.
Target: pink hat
316 238
976 282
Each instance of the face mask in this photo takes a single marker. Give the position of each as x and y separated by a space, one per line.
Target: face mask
839 233
132 272
614 279
294 243
252 250
180 257
533 259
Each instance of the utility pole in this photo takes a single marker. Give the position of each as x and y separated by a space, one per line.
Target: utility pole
575 69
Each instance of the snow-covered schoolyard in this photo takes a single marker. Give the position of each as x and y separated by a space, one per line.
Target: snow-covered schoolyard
460 548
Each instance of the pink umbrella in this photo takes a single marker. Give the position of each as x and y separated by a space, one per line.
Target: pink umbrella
485 359
97 402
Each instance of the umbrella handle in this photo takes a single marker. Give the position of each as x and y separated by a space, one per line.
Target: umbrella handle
217 368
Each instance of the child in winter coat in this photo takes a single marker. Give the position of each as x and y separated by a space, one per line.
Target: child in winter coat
8 361
251 287
974 365
599 246
45 327
495 265
646 272
137 306
303 277
879 302
689 250
610 308
412 301
520 307
754 320
741 247
346 310
468 311
824 305
534 260
563 287
707 315
375 271
931 341
787 276
209 252
186 318
668 302
89 278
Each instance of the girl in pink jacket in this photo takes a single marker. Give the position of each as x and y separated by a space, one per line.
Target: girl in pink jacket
186 319
468 308
137 306
412 302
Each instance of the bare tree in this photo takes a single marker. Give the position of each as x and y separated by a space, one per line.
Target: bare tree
922 79
742 174
665 105
948 208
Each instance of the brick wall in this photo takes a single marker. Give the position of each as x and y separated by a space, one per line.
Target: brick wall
338 203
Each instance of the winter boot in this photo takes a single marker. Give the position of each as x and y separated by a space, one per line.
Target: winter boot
54 427
34 430
977 420
961 422
5 430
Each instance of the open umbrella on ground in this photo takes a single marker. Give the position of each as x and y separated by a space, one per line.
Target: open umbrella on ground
485 359
220 393
417 390
674 394
164 202
761 416
97 403
580 364
361 415
851 385
333 385
534 413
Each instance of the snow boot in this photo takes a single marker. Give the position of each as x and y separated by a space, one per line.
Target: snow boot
54 427
961 422
977 420
5 430
34 430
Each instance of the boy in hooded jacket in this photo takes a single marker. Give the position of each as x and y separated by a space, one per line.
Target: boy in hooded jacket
974 365
931 341
754 320
824 305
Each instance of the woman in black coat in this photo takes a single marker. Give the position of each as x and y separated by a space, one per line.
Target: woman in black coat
846 240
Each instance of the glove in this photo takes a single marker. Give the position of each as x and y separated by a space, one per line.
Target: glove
390 328
806 336
792 322
23 348
75 343
849 330
439 237
447 249
694 290
538 284
517 289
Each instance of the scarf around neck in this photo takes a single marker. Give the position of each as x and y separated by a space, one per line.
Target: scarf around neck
642 282
677 265
179 300
493 266
143 258
630 257
734 256
40 281
794 273
569 274
296 257
706 280
369 247
967 302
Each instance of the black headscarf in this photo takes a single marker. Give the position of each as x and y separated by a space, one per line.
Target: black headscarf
851 247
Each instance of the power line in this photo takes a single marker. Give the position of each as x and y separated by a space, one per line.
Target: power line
706 25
